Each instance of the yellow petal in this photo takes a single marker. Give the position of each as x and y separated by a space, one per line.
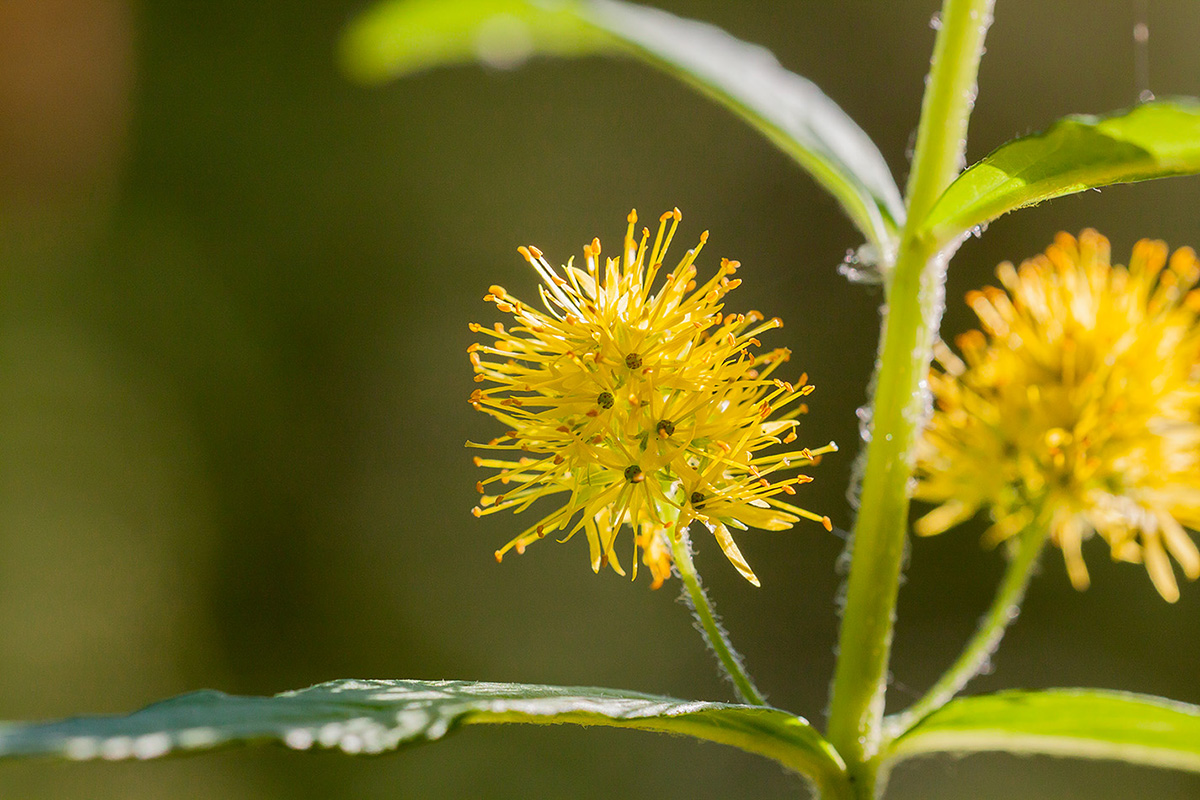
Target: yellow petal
1180 545
1159 567
733 554
943 518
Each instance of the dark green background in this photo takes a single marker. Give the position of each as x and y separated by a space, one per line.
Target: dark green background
234 296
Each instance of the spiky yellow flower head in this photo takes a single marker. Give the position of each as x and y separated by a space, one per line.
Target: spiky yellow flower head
1077 408
638 406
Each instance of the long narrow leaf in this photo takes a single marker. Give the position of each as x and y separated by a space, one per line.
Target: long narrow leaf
1079 723
378 716
398 37
1155 140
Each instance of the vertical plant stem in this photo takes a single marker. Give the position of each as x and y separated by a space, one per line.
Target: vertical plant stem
987 637
714 634
913 313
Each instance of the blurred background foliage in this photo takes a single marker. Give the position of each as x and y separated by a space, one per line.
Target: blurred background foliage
234 295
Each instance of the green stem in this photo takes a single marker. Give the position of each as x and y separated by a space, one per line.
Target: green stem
912 317
946 108
714 634
975 656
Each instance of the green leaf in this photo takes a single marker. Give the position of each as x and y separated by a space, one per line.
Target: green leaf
1154 140
377 716
398 37
1081 723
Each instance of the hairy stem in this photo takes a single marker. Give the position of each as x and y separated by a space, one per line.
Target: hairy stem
729 659
983 644
911 318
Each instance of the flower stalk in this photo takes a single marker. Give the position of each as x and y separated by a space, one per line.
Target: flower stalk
706 619
976 655
911 319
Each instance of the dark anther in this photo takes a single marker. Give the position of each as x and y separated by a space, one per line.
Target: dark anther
633 361
666 428
605 400
633 472
697 499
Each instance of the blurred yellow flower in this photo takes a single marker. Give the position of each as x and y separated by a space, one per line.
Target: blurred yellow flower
638 406
1077 408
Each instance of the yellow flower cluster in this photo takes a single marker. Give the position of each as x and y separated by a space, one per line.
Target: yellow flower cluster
638 406
1077 408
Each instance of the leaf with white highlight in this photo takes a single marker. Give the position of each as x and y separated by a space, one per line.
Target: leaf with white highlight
366 717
